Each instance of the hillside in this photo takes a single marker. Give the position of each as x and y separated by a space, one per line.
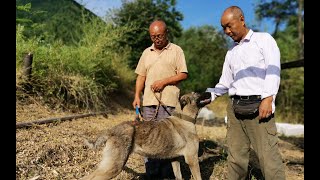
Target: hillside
55 20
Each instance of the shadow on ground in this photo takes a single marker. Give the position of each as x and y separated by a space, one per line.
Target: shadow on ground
209 154
296 141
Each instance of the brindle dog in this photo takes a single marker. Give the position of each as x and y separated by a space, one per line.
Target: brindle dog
171 137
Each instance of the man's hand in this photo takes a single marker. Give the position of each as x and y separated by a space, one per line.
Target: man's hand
204 99
265 108
136 103
158 86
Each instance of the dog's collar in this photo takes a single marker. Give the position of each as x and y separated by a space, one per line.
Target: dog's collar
184 117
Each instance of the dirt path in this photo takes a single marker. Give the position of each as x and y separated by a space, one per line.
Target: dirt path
56 150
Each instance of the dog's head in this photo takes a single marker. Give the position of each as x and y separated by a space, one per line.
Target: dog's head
190 104
198 99
189 99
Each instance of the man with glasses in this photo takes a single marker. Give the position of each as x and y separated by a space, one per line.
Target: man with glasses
160 68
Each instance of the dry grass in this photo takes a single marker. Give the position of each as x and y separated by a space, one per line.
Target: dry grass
56 151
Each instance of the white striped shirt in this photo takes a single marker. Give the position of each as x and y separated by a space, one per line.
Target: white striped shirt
251 67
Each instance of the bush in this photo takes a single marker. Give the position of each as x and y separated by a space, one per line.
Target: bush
84 75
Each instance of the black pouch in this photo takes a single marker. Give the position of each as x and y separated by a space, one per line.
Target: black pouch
246 107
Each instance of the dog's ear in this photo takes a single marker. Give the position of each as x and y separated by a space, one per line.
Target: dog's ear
184 100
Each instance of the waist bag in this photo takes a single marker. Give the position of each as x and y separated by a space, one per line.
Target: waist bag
246 107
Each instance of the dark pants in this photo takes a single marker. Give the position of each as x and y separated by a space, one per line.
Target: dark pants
261 135
158 168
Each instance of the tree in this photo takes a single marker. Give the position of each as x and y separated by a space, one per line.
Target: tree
290 99
22 13
204 49
284 12
139 14
279 10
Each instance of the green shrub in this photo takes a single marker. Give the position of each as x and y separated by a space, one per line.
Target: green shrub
84 75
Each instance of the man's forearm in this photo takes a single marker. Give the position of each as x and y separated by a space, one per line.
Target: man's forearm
175 79
139 85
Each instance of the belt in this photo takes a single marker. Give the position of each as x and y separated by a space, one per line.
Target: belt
253 97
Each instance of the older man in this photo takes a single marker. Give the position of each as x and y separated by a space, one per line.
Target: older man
251 77
160 68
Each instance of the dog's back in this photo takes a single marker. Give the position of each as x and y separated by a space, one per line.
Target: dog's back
163 139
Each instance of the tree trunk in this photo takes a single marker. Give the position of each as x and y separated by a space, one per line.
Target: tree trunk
301 33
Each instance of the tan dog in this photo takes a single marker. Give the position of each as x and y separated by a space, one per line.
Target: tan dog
169 138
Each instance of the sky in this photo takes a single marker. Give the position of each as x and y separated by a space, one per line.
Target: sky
195 12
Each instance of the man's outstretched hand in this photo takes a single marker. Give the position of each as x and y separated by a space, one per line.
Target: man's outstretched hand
204 99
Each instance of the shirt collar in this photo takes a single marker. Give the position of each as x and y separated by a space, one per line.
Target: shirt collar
246 38
152 48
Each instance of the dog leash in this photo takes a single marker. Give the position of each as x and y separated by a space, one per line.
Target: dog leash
138 115
160 103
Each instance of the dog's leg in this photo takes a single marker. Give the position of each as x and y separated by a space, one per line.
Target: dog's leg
193 162
191 158
176 169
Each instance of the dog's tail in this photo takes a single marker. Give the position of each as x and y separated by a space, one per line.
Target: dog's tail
119 144
94 145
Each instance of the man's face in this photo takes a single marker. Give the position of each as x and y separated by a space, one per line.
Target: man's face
233 27
158 37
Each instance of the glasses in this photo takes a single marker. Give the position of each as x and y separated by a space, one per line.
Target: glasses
159 36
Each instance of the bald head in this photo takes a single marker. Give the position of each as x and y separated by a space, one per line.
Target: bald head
233 23
158 25
233 12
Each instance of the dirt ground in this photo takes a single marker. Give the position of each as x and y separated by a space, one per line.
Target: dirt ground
56 150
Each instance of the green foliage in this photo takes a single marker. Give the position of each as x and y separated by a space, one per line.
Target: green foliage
52 20
81 60
290 99
25 10
279 10
85 74
204 49
139 14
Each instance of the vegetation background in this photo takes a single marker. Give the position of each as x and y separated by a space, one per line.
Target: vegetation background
82 63
81 60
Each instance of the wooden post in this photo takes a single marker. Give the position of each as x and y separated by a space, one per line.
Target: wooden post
27 66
